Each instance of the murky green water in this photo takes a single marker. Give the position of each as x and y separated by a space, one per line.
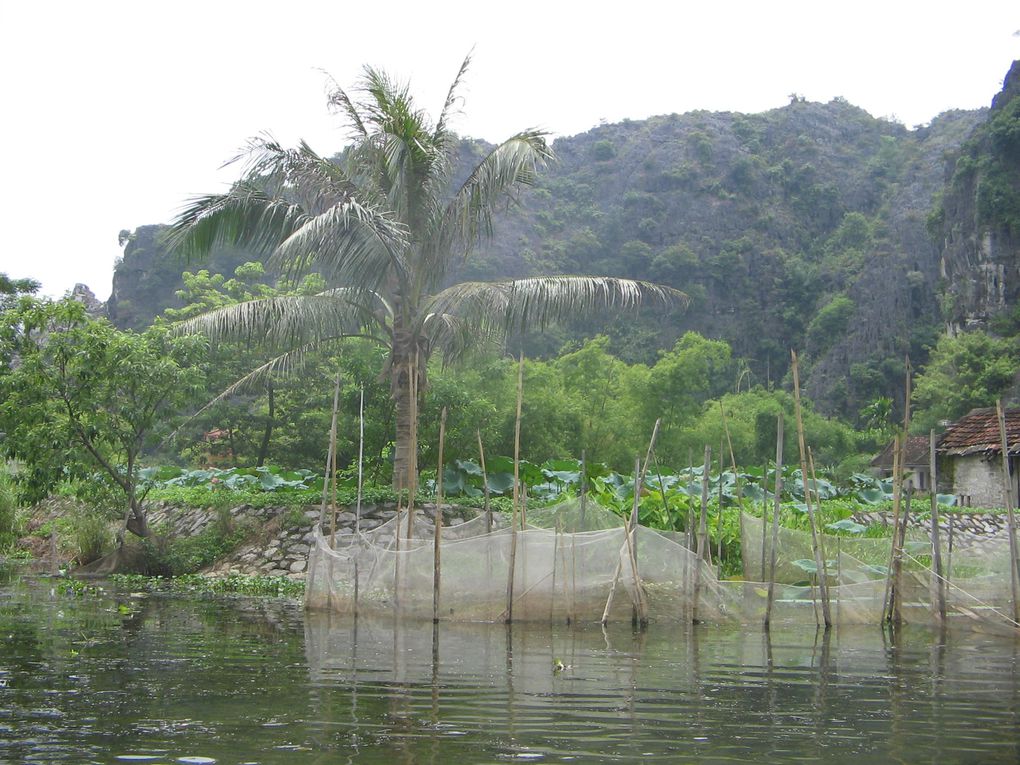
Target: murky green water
91 680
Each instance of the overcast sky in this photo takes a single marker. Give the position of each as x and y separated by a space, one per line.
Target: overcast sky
114 113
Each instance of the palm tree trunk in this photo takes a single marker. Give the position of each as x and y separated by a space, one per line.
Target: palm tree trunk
267 433
407 383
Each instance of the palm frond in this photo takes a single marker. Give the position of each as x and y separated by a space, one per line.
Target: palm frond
339 99
354 245
517 305
285 364
454 336
244 216
290 321
441 134
468 215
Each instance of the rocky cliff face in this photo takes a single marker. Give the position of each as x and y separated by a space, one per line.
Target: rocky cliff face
978 223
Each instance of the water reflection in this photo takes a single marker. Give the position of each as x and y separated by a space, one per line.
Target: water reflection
259 681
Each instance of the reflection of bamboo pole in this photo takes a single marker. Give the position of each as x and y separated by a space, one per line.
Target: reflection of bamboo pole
516 494
487 507
778 488
437 522
1014 561
937 584
823 586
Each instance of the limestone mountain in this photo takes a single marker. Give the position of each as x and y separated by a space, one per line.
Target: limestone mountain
808 226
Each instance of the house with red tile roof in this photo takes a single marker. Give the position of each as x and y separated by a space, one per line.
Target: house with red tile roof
916 462
970 458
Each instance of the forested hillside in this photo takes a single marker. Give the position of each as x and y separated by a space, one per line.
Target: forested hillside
813 226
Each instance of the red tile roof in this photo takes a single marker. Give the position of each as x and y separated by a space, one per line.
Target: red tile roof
978 431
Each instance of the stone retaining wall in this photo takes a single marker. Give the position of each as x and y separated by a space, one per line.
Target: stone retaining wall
282 536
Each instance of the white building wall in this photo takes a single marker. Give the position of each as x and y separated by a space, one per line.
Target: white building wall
978 479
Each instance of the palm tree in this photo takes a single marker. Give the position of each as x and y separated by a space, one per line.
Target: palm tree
384 223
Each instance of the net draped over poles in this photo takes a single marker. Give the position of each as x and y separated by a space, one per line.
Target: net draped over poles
570 558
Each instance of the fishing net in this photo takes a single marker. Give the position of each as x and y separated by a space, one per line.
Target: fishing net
577 562
566 562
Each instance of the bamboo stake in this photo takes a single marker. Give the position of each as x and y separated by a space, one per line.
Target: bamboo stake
764 518
889 591
516 494
894 588
361 461
437 523
718 516
901 540
778 488
357 507
1014 560
412 475
640 614
703 549
584 492
329 452
486 508
702 531
823 586
332 472
938 585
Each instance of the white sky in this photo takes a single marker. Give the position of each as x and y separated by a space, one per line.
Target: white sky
114 113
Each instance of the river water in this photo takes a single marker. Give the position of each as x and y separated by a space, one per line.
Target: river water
121 678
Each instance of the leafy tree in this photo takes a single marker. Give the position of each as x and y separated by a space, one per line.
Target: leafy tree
86 398
967 371
385 224
12 289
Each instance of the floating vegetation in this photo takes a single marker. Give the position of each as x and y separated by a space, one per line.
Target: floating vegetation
232 584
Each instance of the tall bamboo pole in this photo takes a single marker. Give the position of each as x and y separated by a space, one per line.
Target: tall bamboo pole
1014 561
412 476
893 590
702 532
823 586
778 489
437 523
704 553
516 494
764 520
938 583
718 515
332 470
486 507
357 507
889 588
584 492
329 452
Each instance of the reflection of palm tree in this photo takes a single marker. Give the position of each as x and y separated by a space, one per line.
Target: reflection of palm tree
382 222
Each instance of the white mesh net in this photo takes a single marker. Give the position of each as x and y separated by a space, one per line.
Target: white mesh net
574 563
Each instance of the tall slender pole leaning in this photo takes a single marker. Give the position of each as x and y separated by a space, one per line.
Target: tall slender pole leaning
823 586
357 507
412 476
332 470
702 533
938 583
778 488
579 525
438 522
764 520
329 452
516 495
1014 572
897 496
487 507
894 589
